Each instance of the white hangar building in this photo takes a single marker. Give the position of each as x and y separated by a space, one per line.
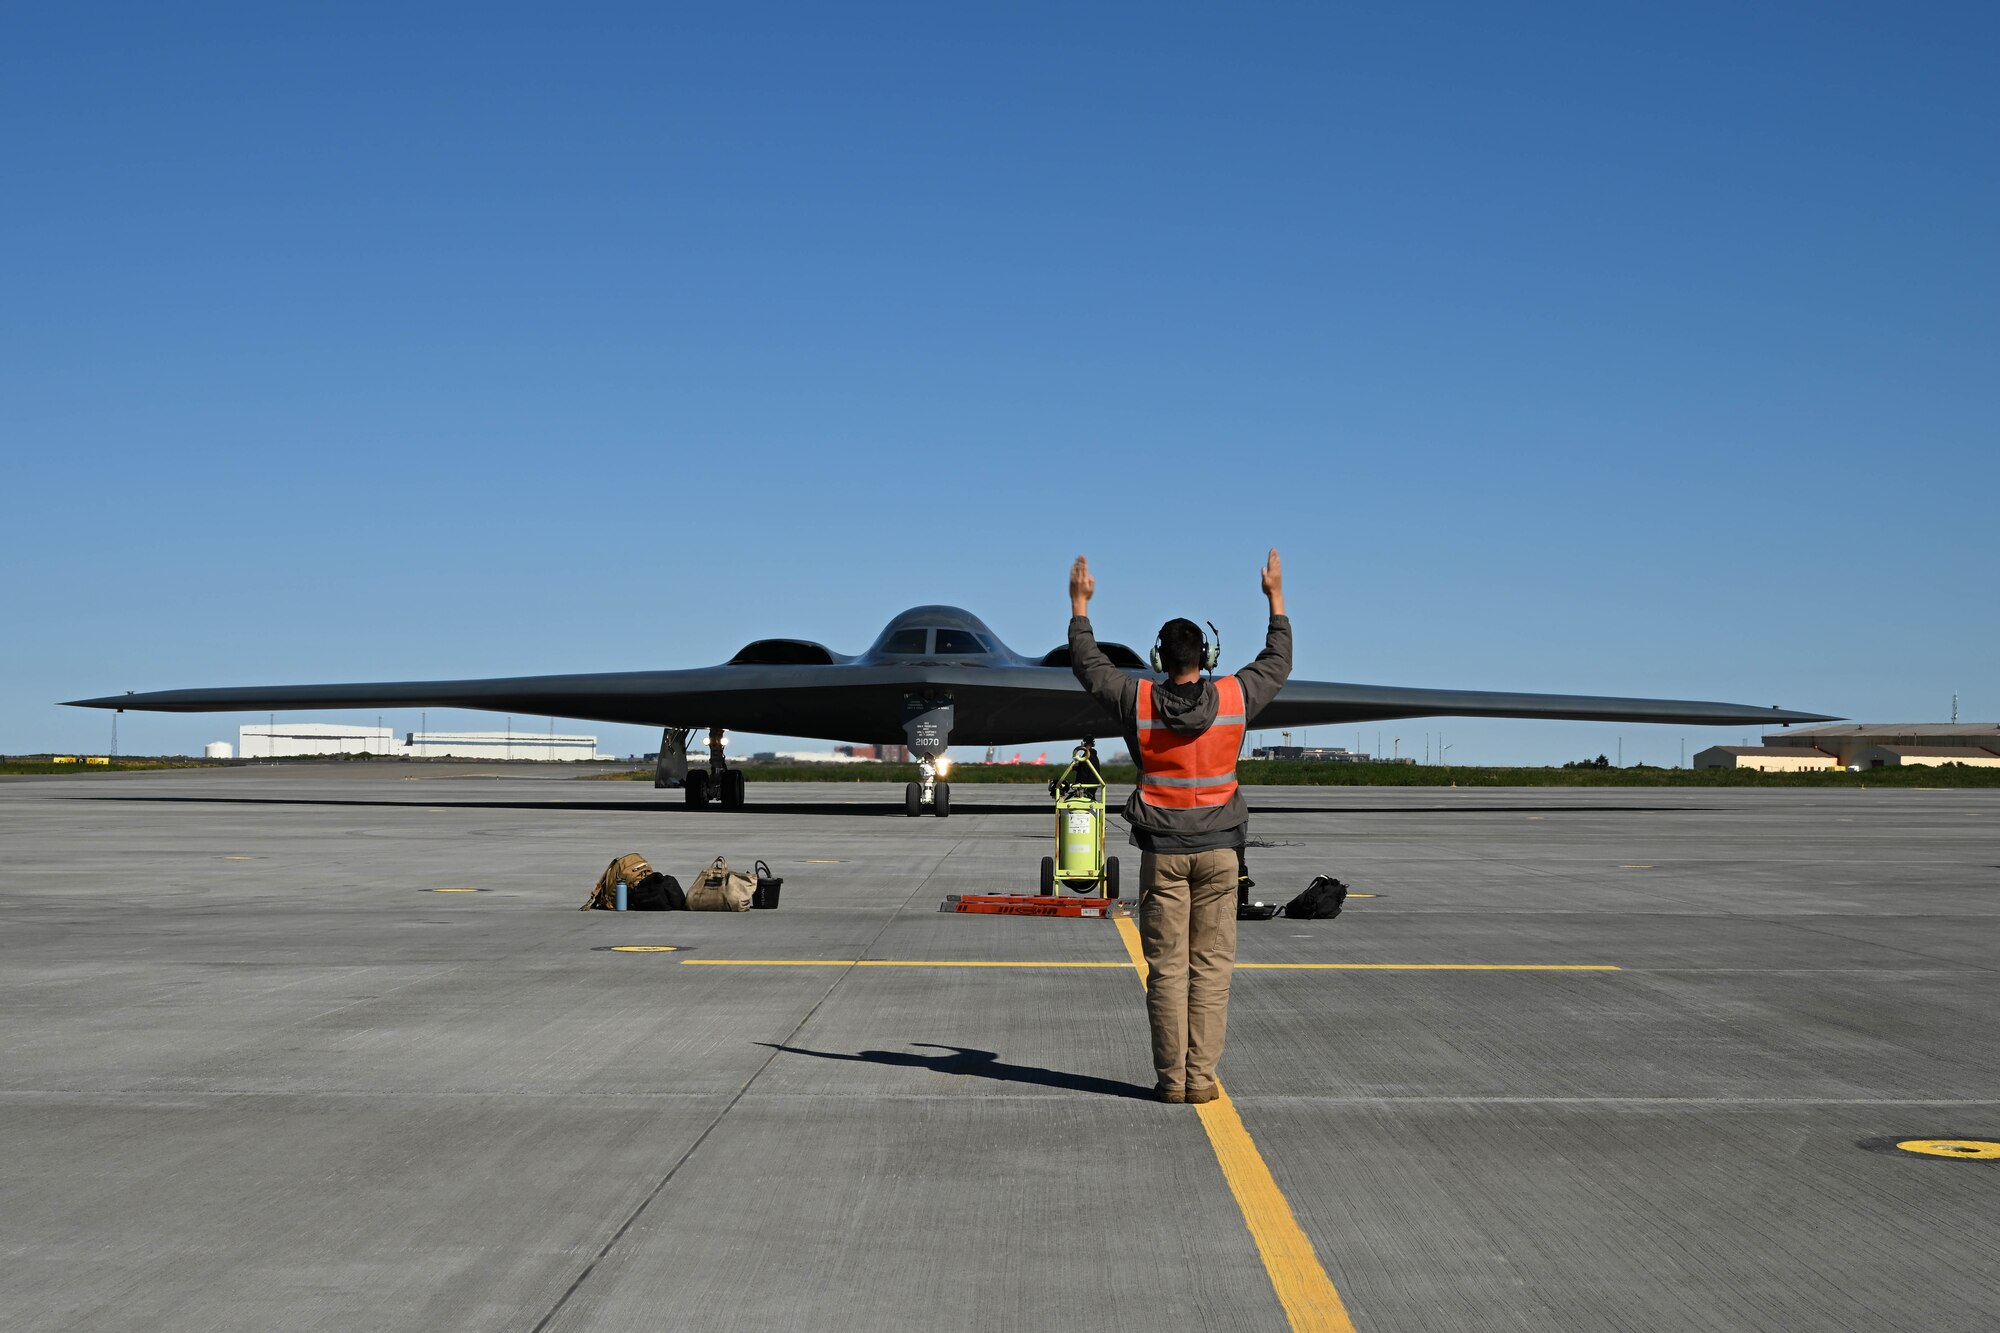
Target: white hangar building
297 740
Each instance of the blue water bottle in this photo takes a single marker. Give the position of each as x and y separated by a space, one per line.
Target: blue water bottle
621 895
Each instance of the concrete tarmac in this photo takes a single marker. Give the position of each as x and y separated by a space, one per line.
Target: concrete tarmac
254 1075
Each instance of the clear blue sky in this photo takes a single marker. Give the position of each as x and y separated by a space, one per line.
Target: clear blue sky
1618 349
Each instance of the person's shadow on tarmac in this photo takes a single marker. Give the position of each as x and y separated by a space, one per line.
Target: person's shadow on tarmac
980 1064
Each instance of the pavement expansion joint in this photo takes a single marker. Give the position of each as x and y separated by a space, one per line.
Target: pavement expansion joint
707 1132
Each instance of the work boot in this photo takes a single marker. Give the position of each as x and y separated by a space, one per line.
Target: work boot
1196 1096
1171 1096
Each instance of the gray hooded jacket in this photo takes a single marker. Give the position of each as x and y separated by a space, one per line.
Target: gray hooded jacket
1188 709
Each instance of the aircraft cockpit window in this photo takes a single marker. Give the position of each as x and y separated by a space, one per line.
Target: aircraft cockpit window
906 641
960 643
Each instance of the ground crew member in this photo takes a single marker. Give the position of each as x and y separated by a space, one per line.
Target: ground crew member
1187 818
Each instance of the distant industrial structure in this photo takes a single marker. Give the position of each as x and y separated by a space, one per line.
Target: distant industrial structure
1847 745
839 754
295 740
1325 754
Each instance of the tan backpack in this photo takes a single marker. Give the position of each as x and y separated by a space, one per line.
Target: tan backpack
630 867
720 889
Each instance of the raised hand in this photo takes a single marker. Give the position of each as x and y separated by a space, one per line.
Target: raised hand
1081 586
1274 583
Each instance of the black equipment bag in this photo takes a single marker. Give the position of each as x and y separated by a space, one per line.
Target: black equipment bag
768 885
656 893
1321 901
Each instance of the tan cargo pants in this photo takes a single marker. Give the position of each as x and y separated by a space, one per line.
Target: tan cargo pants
1187 925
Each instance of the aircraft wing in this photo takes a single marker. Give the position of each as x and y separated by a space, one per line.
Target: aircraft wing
646 698
1308 703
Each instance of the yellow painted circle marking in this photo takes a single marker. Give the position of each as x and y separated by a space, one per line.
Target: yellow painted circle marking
1977 1148
451 890
645 948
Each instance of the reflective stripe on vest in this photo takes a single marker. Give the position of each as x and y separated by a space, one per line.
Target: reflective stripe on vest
1178 772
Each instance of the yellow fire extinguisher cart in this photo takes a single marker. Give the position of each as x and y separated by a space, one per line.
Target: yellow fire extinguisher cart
1079 863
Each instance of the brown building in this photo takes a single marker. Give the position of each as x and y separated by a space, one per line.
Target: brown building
1765 758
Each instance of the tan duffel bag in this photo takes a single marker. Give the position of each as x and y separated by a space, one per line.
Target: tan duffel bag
720 889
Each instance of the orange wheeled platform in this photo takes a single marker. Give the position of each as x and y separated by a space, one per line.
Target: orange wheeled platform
1030 904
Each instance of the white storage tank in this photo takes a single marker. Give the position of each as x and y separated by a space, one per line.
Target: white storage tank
218 750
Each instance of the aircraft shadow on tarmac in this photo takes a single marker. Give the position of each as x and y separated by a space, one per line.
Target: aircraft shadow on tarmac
979 1064
874 810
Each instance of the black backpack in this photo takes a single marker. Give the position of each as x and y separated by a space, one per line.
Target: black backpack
656 893
1321 901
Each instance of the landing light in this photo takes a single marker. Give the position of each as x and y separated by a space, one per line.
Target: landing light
944 766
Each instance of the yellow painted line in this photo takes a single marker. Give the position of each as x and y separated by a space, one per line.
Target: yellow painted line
1312 1303
1430 967
453 890
822 861
1268 967
869 962
1128 934
1635 867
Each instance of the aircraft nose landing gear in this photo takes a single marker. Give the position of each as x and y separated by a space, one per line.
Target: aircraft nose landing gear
927 728
928 790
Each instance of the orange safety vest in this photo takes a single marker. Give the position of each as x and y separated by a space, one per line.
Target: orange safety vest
1179 772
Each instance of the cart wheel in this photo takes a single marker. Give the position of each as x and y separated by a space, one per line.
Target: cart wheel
941 800
1048 876
696 789
913 799
1111 877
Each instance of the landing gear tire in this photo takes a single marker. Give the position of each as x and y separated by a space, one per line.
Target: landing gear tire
696 789
913 799
732 789
941 800
1111 877
1048 877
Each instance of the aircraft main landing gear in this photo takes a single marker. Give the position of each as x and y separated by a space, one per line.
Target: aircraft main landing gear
718 782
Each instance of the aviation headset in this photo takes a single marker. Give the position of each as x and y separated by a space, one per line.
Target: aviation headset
1211 649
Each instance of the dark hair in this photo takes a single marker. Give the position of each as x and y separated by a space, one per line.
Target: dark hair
1180 646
